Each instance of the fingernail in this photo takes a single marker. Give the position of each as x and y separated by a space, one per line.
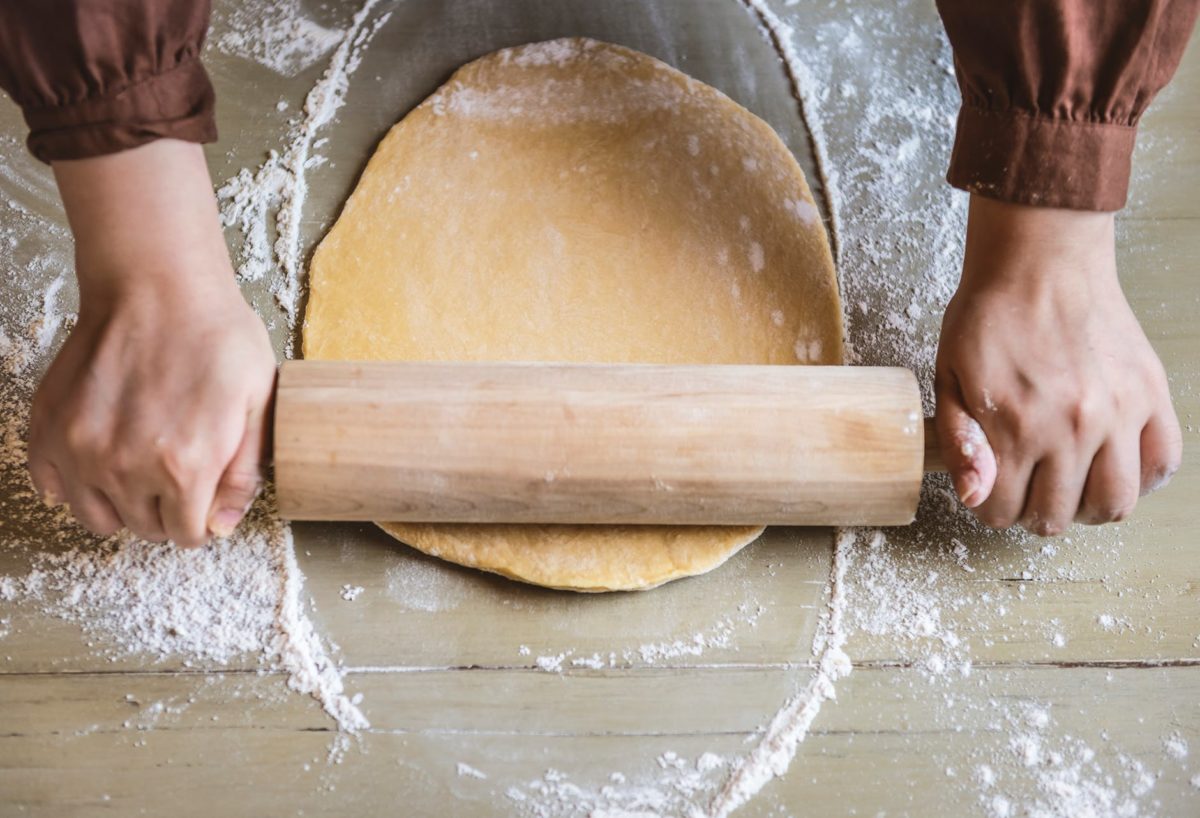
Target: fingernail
1157 481
967 485
51 500
224 521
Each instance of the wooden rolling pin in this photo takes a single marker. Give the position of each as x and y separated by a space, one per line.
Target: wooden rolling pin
593 443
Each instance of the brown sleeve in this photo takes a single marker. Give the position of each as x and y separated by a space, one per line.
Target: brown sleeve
1053 90
100 76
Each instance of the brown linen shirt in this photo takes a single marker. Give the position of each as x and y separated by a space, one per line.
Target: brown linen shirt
1052 89
100 76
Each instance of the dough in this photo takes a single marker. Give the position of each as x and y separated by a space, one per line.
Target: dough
577 201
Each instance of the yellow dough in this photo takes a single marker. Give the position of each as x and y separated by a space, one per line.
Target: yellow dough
577 201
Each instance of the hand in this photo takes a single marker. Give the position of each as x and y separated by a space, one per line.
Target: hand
152 415
1040 347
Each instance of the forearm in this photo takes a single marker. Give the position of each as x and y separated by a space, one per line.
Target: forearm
142 218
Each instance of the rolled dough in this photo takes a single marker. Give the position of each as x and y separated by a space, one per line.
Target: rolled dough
577 201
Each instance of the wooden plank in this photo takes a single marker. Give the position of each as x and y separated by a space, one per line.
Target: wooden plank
893 742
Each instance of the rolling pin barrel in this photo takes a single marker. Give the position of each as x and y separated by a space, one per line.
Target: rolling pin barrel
598 443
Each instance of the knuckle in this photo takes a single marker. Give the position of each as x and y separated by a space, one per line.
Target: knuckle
82 441
95 524
1083 414
181 465
121 466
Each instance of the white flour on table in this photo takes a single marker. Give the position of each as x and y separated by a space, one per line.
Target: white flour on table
275 34
272 197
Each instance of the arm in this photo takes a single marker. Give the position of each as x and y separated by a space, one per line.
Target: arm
1039 345
151 415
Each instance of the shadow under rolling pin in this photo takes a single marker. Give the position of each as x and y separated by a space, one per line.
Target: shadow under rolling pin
600 443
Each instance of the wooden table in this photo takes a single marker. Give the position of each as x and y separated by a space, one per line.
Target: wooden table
447 660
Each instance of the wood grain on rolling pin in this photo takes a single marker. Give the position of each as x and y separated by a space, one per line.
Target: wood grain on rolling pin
598 443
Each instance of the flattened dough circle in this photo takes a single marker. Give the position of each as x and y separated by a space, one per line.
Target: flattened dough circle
577 201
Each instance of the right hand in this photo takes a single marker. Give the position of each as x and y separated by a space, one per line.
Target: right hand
1052 405
152 416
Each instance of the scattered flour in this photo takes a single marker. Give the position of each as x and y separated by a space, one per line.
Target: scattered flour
272 197
1176 746
465 769
275 34
233 598
419 583
1069 779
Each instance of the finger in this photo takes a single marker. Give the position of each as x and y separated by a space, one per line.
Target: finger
1113 482
1161 450
965 449
141 515
1010 493
46 480
93 510
1055 489
184 513
241 480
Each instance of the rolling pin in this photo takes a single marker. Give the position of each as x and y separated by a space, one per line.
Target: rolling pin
599 443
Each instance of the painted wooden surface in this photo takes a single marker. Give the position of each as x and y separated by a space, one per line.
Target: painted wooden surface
445 658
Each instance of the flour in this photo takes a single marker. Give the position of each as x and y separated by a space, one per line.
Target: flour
1069 779
466 769
560 97
272 197
1176 746
417 583
674 785
720 635
51 319
275 34
773 753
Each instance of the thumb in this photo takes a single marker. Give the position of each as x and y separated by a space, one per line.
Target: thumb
965 449
241 479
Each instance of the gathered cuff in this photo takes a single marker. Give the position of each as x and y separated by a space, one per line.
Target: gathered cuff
177 104
1022 158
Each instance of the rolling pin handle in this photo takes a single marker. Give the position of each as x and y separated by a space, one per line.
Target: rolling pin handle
933 449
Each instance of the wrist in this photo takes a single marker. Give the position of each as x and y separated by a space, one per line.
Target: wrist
1007 241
